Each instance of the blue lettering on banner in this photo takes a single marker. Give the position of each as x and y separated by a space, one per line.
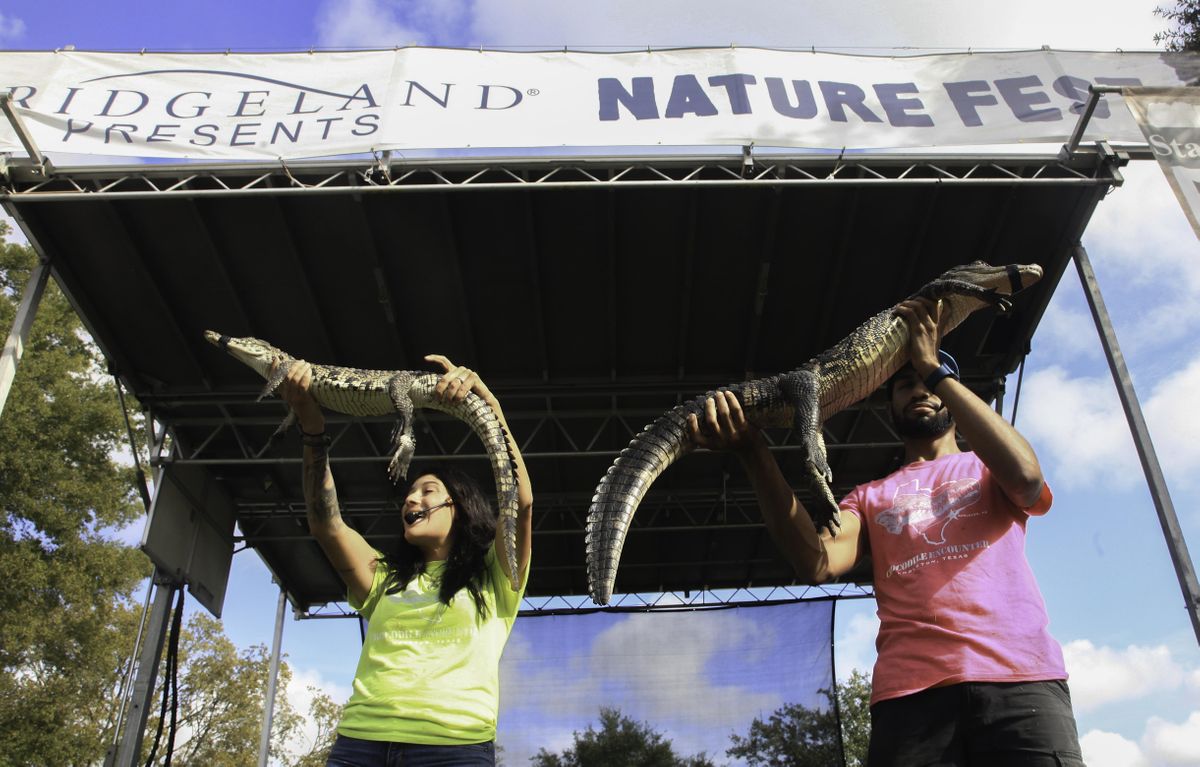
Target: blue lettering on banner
242 128
735 86
688 97
1012 90
640 102
442 102
805 107
897 109
485 96
21 100
838 96
963 96
197 110
246 102
282 128
202 133
112 99
157 134
361 121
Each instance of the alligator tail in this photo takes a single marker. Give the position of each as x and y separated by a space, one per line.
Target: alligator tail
482 420
621 491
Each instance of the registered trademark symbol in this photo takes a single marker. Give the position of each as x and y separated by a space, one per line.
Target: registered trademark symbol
532 92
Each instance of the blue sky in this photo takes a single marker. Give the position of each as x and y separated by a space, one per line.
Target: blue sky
1099 555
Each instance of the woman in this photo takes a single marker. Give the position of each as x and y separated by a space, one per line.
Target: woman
439 605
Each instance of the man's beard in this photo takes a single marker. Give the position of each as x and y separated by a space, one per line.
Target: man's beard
925 426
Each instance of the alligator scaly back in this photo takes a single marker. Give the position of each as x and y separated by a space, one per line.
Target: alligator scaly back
358 392
802 399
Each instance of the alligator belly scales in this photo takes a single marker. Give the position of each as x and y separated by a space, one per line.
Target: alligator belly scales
801 399
359 392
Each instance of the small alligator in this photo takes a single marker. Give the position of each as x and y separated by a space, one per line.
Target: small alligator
358 392
802 399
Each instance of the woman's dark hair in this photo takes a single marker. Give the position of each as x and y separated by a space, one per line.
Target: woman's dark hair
474 532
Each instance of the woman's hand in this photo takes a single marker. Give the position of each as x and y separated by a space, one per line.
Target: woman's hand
458 381
296 391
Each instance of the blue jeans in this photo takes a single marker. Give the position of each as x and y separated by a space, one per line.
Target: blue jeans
352 752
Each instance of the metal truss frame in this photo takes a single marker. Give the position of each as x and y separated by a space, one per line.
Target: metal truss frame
665 601
26 184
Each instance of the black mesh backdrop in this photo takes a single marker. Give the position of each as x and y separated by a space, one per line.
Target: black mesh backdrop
696 676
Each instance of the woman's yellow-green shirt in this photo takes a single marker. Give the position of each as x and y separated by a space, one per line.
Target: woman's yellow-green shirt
430 673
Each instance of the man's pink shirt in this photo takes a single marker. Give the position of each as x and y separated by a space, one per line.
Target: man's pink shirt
957 599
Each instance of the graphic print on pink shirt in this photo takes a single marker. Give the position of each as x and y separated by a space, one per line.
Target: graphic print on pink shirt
930 511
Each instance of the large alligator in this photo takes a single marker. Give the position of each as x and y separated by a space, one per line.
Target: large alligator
801 399
359 392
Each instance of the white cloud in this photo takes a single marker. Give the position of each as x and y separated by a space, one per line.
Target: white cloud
1163 744
1079 429
389 23
299 693
1102 675
11 28
1166 743
855 646
1107 749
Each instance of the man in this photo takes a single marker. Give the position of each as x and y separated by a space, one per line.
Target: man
967 672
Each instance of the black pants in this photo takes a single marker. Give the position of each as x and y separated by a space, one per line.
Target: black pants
977 723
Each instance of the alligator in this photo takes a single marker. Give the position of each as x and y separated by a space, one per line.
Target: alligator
802 399
358 392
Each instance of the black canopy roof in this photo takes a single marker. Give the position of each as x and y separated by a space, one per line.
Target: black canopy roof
592 293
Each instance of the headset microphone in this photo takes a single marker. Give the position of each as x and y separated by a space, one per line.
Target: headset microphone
411 517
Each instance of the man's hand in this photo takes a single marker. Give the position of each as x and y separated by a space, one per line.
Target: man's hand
724 426
925 332
457 382
296 391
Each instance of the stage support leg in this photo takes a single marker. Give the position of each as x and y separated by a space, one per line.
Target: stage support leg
127 754
264 742
1177 547
14 347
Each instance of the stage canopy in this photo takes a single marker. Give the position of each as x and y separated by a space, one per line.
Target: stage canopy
592 292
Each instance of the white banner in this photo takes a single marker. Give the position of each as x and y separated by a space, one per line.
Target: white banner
258 106
1170 118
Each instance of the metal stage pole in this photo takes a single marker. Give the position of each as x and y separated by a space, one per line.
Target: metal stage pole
14 347
264 742
129 751
1177 547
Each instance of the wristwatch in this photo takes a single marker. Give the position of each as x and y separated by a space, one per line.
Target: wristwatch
948 369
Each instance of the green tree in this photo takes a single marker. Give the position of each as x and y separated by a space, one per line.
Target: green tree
66 616
799 736
620 742
324 713
222 692
1184 34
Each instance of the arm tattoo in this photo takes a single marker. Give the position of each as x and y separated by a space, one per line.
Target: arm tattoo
319 495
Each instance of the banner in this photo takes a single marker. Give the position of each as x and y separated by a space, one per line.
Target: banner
290 105
1170 118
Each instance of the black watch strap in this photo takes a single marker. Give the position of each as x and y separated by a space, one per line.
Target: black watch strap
936 377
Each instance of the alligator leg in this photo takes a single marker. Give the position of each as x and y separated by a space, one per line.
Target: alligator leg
403 443
273 381
938 288
800 388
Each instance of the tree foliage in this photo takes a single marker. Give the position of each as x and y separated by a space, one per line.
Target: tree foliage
1184 34
67 617
620 742
65 589
222 692
797 736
